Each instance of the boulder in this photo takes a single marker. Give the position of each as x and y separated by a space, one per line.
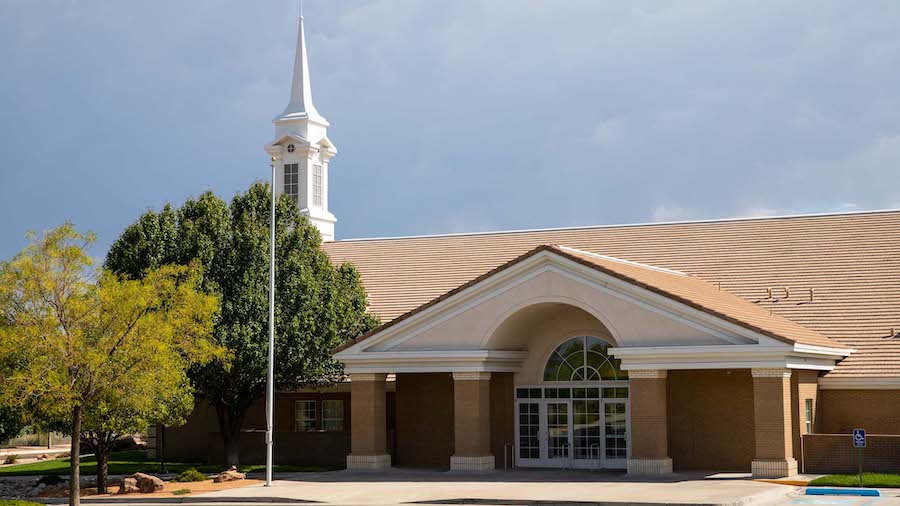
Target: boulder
127 443
129 486
231 474
140 482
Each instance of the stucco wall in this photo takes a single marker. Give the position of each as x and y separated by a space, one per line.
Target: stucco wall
711 419
629 324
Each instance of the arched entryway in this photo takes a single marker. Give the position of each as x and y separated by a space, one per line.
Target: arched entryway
578 415
570 395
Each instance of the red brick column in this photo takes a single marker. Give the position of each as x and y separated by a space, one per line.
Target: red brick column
772 417
472 422
368 431
649 423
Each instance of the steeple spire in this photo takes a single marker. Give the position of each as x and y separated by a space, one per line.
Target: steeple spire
301 104
302 150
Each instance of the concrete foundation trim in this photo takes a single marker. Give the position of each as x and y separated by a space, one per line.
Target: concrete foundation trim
770 372
368 462
459 463
648 373
773 468
649 467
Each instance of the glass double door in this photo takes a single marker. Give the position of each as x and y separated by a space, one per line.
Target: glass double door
572 433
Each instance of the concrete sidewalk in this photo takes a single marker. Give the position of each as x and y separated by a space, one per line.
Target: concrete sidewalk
518 487
28 451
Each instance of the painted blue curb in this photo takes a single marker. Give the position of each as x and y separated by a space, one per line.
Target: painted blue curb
867 492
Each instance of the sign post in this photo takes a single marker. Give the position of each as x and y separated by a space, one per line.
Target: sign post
859 442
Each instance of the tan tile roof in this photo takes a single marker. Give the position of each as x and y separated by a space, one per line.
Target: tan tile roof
850 261
704 296
873 358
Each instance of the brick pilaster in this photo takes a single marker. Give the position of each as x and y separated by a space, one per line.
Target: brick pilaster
368 431
472 422
649 423
773 428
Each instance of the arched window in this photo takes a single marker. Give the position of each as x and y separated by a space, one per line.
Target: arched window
583 359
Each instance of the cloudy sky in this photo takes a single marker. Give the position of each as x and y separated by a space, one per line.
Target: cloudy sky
456 116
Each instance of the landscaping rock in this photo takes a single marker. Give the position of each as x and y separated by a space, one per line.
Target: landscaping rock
129 486
43 457
128 443
230 475
141 483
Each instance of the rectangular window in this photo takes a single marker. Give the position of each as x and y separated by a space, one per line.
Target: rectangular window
333 415
317 185
304 416
809 416
292 181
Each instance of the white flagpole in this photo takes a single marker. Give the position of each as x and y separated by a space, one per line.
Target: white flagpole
270 379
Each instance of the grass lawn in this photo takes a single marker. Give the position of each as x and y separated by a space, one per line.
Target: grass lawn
132 462
873 480
13 502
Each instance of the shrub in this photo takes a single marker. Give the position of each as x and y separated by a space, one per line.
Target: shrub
191 475
181 491
11 459
50 480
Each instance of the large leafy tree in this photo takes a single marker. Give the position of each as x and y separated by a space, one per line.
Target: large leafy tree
11 422
71 339
318 305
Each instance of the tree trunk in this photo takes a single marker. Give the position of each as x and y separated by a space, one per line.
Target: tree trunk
75 457
102 463
230 428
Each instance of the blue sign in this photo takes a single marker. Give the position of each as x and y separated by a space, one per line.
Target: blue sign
859 438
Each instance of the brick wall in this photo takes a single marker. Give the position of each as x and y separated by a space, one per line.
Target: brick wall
503 409
648 418
190 442
834 453
841 411
199 439
804 385
711 419
772 418
424 436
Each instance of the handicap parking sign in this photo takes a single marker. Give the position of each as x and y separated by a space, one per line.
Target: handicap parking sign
859 438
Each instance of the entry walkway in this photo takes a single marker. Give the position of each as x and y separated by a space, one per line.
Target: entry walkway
517 487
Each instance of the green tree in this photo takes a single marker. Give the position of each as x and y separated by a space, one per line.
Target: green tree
318 305
144 404
11 422
71 339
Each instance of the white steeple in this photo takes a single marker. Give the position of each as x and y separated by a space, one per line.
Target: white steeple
301 104
301 149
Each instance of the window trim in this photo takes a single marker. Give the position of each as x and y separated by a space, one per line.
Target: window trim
297 420
808 408
325 420
620 374
292 170
317 184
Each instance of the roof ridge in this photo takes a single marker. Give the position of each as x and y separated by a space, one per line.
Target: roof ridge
629 225
622 261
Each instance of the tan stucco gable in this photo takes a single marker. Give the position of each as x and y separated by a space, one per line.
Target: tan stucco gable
617 300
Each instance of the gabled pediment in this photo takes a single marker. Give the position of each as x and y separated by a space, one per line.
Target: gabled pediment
291 138
640 305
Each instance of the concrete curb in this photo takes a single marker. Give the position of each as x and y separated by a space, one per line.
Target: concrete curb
177 500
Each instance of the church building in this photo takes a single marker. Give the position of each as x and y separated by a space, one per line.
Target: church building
749 345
